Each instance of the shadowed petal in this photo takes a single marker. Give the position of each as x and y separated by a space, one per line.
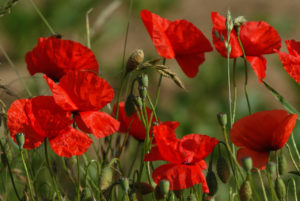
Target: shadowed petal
258 64
259 159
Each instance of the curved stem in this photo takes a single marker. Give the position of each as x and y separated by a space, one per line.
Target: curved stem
27 175
262 185
271 185
295 146
292 158
50 170
78 178
9 170
42 17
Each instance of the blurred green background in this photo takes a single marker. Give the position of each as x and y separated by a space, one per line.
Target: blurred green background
205 95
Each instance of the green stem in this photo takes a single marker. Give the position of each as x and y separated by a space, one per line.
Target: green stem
9 170
12 65
50 170
42 17
235 92
252 186
134 159
88 38
246 73
152 108
78 178
262 185
293 160
67 171
271 185
229 87
27 175
295 147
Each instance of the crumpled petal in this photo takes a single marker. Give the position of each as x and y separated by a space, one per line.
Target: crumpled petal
99 123
70 142
293 47
258 64
156 27
262 131
180 176
190 63
220 29
55 57
259 159
86 90
18 122
154 155
259 38
196 147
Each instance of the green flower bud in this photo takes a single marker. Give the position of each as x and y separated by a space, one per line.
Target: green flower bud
129 105
106 178
20 138
247 163
240 20
223 169
222 118
212 183
143 80
142 92
134 60
282 164
245 192
280 188
271 167
139 102
164 186
125 184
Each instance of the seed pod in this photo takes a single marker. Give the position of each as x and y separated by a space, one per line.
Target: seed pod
134 60
20 138
142 92
247 163
212 183
129 105
143 80
240 20
222 118
143 188
164 186
271 167
280 188
223 169
245 192
139 102
282 164
106 178
125 184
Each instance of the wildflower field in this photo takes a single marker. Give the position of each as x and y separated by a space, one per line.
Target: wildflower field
149 100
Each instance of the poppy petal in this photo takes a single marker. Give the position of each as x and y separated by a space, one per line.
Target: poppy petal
55 57
70 142
219 34
261 131
18 122
154 155
259 38
99 123
196 146
156 27
60 95
291 65
258 64
259 159
293 47
180 176
190 63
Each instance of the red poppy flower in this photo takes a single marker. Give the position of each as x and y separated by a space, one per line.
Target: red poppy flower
258 38
291 61
179 39
84 93
55 57
260 133
185 157
39 118
132 124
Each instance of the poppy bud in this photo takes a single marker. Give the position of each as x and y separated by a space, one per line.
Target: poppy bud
143 80
228 22
245 192
222 118
247 163
134 60
280 188
164 186
20 138
106 178
143 188
142 92
125 184
139 102
271 167
129 105
240 20
223 169
282 164
212 183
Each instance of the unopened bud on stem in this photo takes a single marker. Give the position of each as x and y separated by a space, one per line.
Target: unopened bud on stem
136 58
